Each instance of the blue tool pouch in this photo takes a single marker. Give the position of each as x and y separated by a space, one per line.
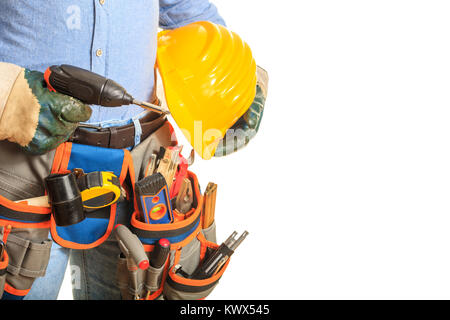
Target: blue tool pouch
98 225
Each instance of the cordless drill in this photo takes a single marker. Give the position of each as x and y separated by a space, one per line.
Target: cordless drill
91 88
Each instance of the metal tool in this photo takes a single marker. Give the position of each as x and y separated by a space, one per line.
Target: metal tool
168 163
151 166
185 197
213 264
191 158
91 88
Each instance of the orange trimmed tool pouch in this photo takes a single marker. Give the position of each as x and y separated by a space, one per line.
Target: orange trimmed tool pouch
98 224
190 245
179 287
175 232
149 283
24 229
166 283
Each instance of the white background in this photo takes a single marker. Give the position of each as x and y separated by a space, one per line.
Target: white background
345 190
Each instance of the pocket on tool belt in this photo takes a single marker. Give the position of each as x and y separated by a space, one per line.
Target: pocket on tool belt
178 286
140 284
148 284
130 282
24 229
210 233
97 224
28 260
179 232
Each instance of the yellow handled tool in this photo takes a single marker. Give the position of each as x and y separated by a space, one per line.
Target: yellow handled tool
98 189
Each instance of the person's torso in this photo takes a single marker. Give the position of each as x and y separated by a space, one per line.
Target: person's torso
116 39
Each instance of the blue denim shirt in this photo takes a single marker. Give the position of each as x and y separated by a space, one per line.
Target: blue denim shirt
114 38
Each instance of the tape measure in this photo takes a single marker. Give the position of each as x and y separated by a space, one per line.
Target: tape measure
98 189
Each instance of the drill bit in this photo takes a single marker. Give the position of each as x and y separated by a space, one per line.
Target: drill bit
150 106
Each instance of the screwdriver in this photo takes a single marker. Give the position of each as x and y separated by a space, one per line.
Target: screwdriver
91 88
159 254
158 258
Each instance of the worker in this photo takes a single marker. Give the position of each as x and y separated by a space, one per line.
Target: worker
115 39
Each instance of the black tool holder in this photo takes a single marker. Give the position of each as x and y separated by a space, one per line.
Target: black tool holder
65 199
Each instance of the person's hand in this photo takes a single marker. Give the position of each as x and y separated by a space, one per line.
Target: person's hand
245 129
37 119
58 117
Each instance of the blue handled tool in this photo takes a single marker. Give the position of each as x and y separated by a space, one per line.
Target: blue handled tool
153 199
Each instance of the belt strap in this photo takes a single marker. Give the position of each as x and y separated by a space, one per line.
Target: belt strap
120 137
117 137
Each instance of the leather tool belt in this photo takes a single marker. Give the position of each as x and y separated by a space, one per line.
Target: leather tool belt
122 137
117 137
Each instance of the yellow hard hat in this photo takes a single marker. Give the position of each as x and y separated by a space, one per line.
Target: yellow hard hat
209 79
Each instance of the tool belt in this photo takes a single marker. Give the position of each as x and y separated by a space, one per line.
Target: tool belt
117 137
25 228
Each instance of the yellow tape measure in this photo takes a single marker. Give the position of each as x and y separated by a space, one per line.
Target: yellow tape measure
98 189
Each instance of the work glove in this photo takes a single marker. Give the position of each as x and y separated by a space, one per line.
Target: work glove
32 116
245 129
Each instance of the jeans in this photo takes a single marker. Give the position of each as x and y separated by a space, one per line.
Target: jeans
93 271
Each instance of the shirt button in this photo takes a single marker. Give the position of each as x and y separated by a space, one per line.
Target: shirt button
102 2
99 52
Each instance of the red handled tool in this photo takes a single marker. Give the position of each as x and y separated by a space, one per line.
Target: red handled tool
132 248
179 176
159 254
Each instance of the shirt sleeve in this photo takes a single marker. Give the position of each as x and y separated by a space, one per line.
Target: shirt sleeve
177 13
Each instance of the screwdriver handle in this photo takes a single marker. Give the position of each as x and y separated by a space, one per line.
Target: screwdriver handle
86 86
159 254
